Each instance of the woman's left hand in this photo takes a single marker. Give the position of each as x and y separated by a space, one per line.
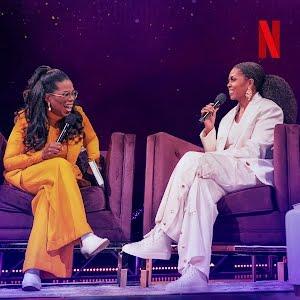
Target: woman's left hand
51 150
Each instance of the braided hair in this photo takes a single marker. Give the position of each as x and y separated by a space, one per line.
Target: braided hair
44 81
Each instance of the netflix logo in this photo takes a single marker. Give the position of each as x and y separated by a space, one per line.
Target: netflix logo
268 38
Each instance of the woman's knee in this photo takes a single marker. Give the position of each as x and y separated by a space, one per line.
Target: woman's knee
209 166
59 163
191 155
190 158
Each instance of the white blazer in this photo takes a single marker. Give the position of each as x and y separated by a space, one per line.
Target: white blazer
255 144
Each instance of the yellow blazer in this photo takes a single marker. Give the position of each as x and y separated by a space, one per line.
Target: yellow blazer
17 159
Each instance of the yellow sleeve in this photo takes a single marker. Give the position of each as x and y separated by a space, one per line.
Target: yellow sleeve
15 156
90 142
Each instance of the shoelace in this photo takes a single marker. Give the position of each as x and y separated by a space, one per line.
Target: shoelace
153 232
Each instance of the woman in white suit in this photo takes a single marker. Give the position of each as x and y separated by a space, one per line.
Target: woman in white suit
239 156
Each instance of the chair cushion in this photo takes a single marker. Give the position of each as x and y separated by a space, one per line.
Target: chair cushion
253 229
248 201
93 198
13 199
16 226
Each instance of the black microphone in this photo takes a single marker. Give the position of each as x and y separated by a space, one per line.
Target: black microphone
69 122
220 99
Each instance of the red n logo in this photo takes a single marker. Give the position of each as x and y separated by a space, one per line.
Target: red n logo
268 39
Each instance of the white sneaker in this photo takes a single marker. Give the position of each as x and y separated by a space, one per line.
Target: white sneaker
31 280
155 245
191 281
92 245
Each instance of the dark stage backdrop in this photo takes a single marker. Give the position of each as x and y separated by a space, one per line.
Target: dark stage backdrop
141 66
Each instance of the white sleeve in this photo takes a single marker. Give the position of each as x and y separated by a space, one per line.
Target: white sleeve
209 141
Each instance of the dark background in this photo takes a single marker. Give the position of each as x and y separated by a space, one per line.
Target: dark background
141 66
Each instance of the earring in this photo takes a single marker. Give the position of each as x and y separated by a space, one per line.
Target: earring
249 94
49 106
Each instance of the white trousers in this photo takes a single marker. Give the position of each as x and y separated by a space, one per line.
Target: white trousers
188 208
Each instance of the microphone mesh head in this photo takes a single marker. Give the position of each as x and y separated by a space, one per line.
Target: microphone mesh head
221 98
70 119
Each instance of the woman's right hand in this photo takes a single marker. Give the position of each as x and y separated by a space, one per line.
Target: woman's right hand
51 150
210 120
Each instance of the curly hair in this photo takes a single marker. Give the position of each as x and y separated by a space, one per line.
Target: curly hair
272 87
277 89
44 81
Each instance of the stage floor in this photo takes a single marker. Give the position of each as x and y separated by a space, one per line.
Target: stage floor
224 290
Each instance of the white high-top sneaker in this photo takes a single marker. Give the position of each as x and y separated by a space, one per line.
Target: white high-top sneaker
191 281
91 245
155 245
31 280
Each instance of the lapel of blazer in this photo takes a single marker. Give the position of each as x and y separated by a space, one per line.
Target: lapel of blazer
248 117
224 128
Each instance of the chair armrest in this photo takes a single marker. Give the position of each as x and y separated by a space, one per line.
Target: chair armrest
162 154
286 165
120 173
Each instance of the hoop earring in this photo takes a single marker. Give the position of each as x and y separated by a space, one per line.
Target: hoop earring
249 94
49 106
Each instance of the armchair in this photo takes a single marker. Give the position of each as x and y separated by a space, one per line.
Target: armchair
250 216
109 213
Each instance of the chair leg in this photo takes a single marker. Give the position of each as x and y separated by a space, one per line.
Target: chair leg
123 278
282 269
122 272
146 274
270 267
149 269
144 278
253 260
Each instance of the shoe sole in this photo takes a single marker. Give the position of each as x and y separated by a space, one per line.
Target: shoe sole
160 255
187 290
99 249
30 288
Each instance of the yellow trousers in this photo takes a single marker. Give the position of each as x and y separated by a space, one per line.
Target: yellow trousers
59 216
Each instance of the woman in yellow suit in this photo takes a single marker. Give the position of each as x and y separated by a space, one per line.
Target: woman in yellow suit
36 163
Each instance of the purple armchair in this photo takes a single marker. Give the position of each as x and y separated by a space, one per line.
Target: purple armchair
250 216
109 213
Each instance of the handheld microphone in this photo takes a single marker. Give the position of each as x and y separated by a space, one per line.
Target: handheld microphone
220 99
69 122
